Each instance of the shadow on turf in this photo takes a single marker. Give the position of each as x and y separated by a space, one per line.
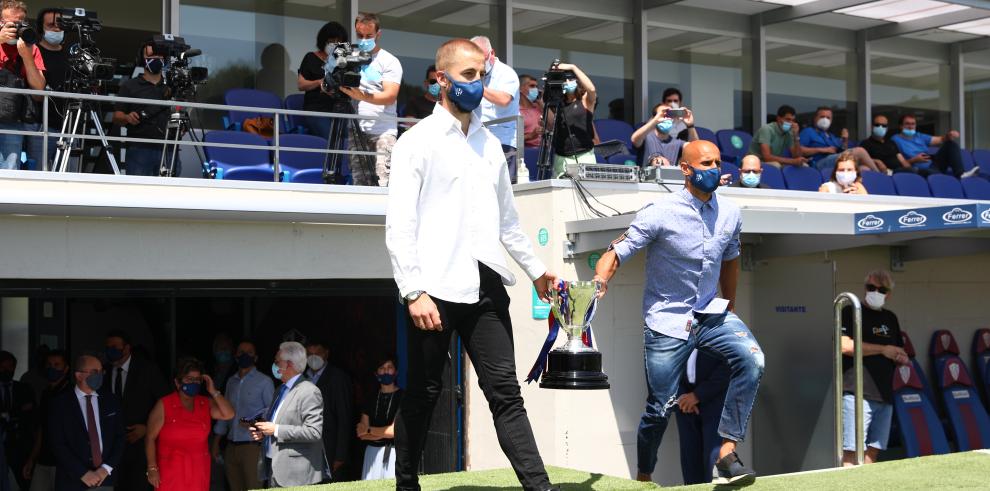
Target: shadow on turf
587 484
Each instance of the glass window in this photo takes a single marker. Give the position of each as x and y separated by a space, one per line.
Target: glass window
902 84
602 49
712 71
977 77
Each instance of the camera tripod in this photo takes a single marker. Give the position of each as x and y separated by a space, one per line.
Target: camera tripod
335 140
79 116
177 126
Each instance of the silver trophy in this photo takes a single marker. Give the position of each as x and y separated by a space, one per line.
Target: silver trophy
575 365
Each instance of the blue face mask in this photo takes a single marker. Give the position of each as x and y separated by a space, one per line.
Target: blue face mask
750 179
114 354
570 86
665 125
466 95
909 133
190 389
366 44
95 381
434 89
53 374
879 131
386 378
276 371
245 360
706 180
533 94
785 126
54 37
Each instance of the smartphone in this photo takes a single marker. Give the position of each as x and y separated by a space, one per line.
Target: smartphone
676 113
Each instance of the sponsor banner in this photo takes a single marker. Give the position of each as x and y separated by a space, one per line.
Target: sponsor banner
923 219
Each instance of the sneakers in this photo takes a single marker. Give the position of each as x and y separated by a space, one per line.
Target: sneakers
730 470
970 173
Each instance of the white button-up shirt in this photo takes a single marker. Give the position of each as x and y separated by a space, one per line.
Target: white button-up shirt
450 206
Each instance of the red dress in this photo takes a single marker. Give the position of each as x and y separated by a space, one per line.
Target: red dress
183 451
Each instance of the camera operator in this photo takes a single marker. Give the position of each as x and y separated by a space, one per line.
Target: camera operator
379 89
22 67
311 74
56 60
501 100
144 121
574 130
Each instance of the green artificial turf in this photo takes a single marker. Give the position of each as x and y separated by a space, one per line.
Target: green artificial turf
969 470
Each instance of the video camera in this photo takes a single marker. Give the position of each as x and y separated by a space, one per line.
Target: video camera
553 83
86 67
343 67
180 78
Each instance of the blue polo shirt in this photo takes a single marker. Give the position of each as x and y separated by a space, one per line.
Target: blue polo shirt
816 138
914 145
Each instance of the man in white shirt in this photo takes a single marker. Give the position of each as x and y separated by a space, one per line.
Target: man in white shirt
501 100
380 83
450 207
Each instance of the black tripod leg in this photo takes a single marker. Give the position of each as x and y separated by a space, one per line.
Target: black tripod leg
335 141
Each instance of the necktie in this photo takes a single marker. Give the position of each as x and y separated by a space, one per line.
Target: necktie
94 437
118 383
271 413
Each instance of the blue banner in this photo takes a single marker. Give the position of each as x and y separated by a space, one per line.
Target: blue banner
924 219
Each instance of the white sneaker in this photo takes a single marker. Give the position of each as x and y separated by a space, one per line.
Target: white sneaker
970 173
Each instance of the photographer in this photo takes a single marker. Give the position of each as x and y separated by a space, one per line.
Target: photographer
311 73
56 60
22 67
376 97
574 133
658 138
144 121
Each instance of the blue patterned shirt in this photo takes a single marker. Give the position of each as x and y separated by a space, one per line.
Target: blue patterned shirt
686 241
249 396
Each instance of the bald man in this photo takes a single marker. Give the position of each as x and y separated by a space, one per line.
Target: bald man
450 215
692 250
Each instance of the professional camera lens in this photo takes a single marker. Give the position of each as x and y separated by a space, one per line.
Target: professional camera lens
26 32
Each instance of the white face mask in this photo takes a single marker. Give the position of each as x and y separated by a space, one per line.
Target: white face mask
824 123
845 177
675 105
315 363
874 300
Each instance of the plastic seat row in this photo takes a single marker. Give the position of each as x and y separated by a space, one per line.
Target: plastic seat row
255 164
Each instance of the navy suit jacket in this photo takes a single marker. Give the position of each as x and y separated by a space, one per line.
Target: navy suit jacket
69 439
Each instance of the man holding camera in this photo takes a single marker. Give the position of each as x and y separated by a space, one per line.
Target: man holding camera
22 67
501 101
657 137
380 81
144 121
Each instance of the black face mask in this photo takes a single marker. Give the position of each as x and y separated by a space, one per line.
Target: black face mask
154 65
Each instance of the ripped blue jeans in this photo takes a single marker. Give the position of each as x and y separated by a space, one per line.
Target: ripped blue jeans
665 358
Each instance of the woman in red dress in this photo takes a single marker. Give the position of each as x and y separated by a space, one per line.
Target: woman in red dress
178 429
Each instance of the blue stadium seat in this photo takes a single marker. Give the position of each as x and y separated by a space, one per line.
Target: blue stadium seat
772 177
293 123
852 143
248 98
615 129
620 159
982 159
912 355
878 183
976 188
802 178
942 346
730 168
921 430
225 160
981 361
967 417
826 173
945 186
967 159
911 185
733 144
293 162
706 134
249 174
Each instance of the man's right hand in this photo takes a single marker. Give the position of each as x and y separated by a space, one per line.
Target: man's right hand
8 33
91 479
799 160
132 118
921 157
424 314
602 285
896 354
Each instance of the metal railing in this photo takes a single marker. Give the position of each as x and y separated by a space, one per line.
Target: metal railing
841 301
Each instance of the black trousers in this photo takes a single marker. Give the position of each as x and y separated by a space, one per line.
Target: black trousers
486 332
948 160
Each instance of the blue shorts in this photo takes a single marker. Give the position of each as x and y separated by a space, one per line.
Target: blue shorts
876 423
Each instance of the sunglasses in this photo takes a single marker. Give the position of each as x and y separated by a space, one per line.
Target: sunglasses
874 288
880 125
432 81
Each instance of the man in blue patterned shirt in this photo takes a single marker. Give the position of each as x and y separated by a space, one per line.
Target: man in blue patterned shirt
692 248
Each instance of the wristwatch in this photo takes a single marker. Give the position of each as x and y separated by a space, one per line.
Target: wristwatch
412 296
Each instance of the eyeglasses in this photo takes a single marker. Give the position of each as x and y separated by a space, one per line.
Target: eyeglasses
874 288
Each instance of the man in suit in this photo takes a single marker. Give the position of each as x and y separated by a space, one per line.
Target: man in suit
17 409
338 413
292 444
702 395
137 384
86 431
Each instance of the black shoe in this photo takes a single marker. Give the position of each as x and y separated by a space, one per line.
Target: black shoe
730 470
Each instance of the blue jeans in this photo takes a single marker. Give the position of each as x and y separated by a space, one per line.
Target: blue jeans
145 160
34 146
11 146
876 423
665 358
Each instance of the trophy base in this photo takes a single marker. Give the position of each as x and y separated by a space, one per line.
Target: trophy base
574 371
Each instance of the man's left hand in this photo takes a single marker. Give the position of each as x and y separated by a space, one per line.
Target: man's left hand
24 50
688 117
543 285
353 92
952 135
265 428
